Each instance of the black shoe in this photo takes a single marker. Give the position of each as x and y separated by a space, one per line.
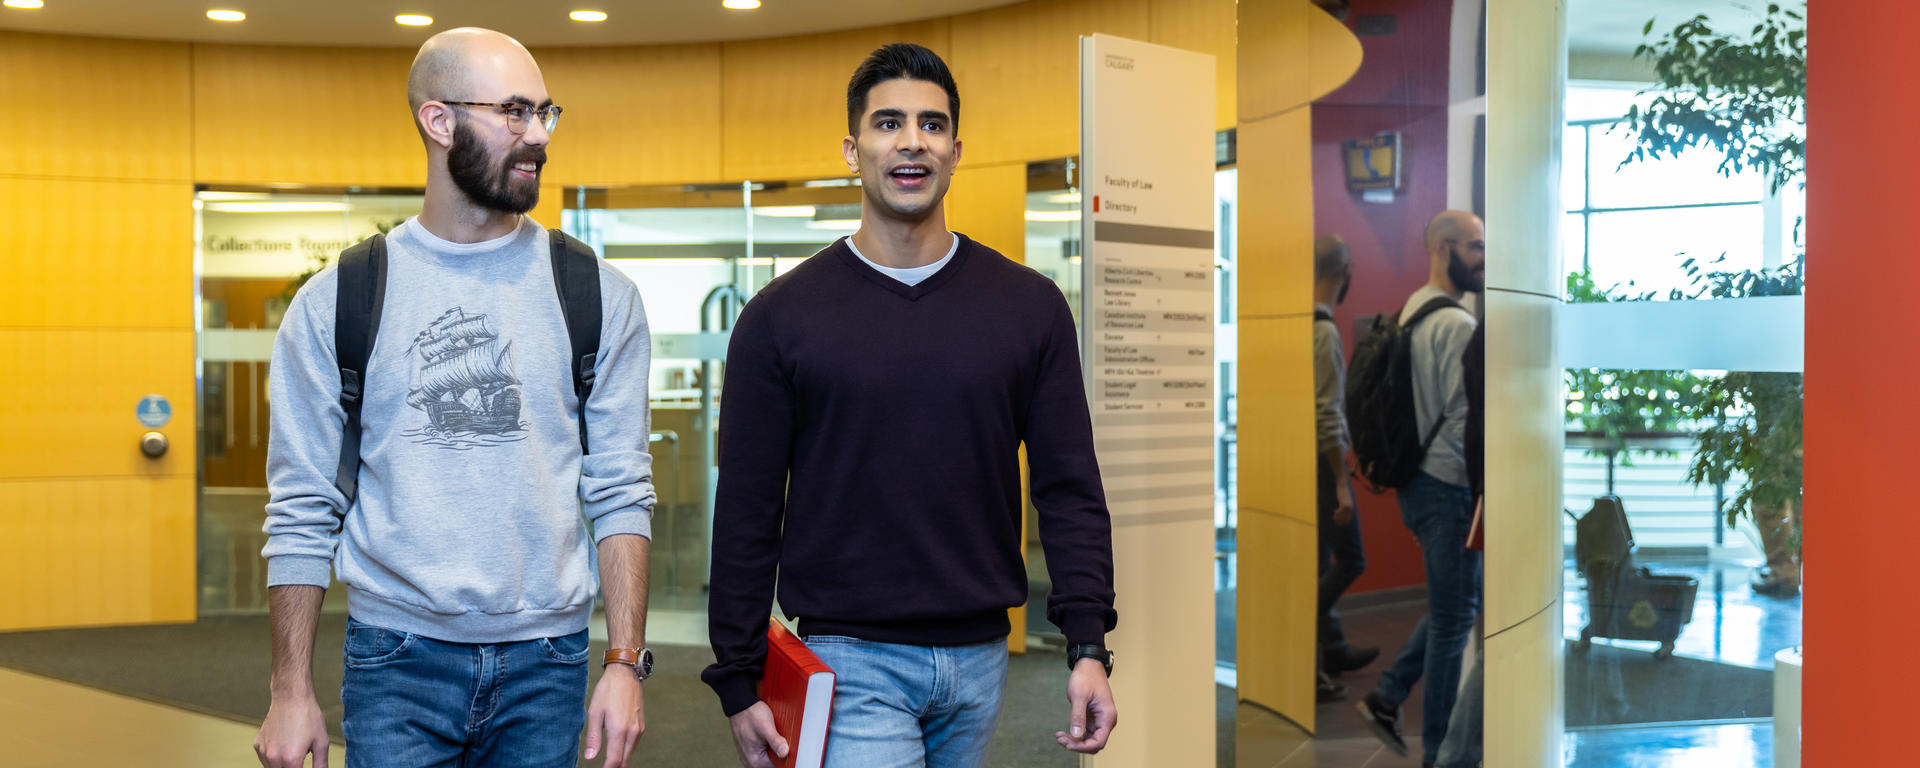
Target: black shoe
1347 658
1385 722
1326 690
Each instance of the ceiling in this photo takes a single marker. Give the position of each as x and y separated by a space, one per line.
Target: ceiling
370 22
1614 26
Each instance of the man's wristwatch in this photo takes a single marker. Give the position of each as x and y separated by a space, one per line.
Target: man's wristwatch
639 659
1090 651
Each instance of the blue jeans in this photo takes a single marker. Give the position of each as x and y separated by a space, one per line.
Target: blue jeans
909 706
1439 515
419 702
1462 748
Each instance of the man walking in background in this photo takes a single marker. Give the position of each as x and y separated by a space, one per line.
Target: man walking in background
1437 505
1342 557
877 399
457 528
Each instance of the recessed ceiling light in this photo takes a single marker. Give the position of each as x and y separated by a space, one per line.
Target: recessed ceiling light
221 14
740 5
588 15
413 20
25 5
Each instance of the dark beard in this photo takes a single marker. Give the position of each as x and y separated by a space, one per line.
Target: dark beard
488 185
1342 298
1463 277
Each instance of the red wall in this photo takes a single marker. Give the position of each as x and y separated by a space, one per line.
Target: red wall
1861 531
1401 86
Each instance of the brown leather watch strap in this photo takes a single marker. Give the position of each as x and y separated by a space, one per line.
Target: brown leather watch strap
627 656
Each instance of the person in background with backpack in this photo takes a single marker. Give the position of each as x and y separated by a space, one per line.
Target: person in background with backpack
1436 503
445 486
1342 558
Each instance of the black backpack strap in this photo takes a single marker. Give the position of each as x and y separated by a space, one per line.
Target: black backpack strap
361 291
1321 315
1433 305
576 275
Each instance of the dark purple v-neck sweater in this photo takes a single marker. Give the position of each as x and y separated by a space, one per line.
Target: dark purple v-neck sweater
869 453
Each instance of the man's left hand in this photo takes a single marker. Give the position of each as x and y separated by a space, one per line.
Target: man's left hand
1091 714
619 711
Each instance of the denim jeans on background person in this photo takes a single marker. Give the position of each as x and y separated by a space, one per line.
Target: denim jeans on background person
1439 514
423 703
1342 560
1463 747
908 706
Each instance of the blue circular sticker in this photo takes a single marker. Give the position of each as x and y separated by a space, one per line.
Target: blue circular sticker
154 411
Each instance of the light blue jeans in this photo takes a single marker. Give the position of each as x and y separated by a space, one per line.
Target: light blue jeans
911 706
422 703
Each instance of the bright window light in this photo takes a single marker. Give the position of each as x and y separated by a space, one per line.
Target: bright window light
222 14
1053 215
740 5
413 20
25 5
786 211
838 225
277 206
588 16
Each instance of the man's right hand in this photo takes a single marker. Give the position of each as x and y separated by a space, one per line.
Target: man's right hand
294 727
1343 504
755 736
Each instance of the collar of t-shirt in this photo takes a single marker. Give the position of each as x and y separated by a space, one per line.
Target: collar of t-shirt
909 275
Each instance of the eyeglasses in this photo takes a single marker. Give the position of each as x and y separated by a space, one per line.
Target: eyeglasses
517 113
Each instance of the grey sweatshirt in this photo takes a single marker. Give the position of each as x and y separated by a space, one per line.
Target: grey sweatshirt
1438 387
468 523
1329 387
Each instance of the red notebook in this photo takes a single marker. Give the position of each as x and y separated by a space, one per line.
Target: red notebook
799 690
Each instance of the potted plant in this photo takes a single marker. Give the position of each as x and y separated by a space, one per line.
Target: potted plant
1743 97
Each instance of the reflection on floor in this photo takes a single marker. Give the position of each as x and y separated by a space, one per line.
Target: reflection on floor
1680 745
1731 624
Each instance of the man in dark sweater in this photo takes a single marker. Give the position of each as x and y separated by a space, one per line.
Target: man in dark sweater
876 401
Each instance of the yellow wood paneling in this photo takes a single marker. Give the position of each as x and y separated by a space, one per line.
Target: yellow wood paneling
96 254
990 205
1018 67
1278 533
67 405
637 114
1278 597
79 552
96 108
300 115
784 100
1206 26
1276 215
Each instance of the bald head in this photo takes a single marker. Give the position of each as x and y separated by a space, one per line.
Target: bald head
1460 227
1330 258
472 64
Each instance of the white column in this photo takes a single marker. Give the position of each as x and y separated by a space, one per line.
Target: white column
1526 83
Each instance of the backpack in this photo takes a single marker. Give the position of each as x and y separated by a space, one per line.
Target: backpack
356 323
1385 427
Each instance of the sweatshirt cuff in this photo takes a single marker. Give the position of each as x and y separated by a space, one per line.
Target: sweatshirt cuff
1084 628
737 693
634 520
285 570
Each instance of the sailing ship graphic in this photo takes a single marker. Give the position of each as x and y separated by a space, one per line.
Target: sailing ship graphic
463 379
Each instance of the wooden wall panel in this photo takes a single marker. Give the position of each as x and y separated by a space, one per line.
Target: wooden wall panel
1018 67
96 254
784 100
1206 26
87 552
95 108
298 115
71 413
990 205
635 115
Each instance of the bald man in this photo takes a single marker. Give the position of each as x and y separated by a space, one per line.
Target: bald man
1437 504
460 538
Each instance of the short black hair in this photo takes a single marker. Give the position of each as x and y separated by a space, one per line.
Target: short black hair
899 61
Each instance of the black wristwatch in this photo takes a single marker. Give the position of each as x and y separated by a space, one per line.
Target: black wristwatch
1090 651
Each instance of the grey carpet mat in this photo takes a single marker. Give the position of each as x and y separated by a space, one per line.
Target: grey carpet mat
1609 685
